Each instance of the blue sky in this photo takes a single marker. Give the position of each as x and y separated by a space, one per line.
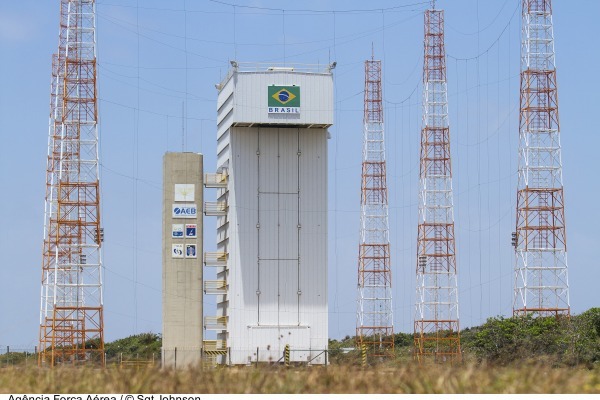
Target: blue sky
157 58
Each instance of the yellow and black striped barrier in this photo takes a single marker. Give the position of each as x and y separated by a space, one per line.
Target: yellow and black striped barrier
286 355
215 352
363 351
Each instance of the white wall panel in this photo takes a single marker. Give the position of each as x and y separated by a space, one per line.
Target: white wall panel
268 147
269 292
276 339
288 160
246 209
250 102
288 226
269 226
313 236
222 143
288 292
279 190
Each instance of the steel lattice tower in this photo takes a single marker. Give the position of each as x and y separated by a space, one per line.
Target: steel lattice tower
437 333
375 319
541 282
71 316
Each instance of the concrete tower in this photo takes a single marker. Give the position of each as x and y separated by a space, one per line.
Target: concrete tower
272 233
182 271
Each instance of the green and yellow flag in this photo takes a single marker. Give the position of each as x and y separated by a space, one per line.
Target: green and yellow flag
284 96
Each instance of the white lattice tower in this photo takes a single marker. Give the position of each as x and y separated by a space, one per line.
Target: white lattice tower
436 327
71 315
375 319
541 280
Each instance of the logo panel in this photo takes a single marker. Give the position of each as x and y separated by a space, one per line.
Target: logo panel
177 231
177 250
185 211
190 230
284 99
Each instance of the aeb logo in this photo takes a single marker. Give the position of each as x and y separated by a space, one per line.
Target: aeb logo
185 211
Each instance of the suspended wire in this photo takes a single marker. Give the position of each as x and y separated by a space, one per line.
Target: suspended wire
468 122
507 26
480 244
160 68
458 181
510 143
335 185
154 112
135 174
100 156
418 63
481 30
139 34
184 121
283 28
347 41
371 10
167 130
124 82
405 103
408 98
487 157
123 23
234 33
257 10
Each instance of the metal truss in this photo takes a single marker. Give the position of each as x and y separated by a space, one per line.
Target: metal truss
541 280
436 325
71 314
375 318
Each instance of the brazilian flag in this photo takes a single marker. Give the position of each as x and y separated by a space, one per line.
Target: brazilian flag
284 96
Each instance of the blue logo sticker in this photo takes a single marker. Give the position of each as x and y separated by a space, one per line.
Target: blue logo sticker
190 230
184 211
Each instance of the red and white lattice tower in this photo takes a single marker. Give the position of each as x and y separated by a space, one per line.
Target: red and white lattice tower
541 281
374 319
71 316
436 327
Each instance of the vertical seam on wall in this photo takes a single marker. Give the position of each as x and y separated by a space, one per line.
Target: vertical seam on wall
298 152
258 229
278 229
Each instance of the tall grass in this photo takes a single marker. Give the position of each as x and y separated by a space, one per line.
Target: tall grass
333 379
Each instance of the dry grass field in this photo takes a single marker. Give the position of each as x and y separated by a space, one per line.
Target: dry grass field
333 379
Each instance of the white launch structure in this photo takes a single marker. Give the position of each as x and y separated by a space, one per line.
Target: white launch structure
272 214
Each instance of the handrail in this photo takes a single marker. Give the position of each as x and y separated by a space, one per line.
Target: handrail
214 345
216 286
215 207
211 322
215 258
215 179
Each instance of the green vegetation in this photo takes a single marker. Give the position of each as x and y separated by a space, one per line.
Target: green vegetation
504 355
145 346
503 341
563 341
499 341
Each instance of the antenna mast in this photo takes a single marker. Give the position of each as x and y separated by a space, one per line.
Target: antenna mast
540 241
375 319
71 315
437 333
